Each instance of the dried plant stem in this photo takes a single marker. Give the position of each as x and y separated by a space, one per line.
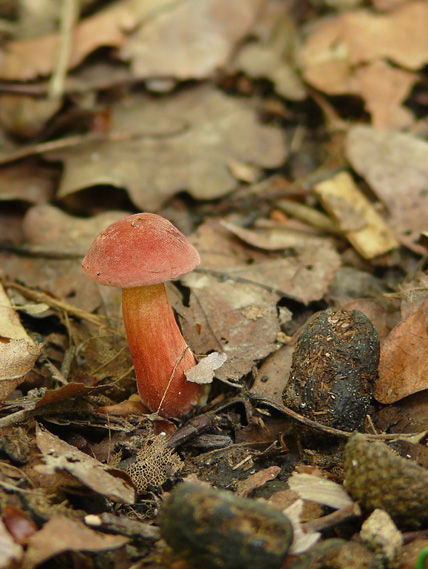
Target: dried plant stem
69 17
56 304
309 215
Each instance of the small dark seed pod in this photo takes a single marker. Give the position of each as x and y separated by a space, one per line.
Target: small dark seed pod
333 370
378 478
215 529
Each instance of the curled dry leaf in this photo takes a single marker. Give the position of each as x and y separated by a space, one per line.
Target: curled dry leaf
124 408
18 523
18 352
58 455
17 357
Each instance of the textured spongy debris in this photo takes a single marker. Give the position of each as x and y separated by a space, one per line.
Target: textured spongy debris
377 477
155 463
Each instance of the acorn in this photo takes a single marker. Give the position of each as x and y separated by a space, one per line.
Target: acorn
377 477
215 529
334 367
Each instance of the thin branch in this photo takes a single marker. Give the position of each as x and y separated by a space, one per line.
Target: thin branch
56 304
259 399
69 17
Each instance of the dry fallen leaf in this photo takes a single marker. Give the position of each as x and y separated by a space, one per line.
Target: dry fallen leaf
189 40
49 228
204 371
304 274
384 88
275 238
274 373
395 166
18 352
59 455
27 183
271 53
320 490
62 534
409 415
343 53
239 319
160 38
183 142
234 295
403 364
30 58
56 235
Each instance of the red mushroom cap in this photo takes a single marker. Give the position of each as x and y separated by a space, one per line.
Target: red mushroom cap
142 249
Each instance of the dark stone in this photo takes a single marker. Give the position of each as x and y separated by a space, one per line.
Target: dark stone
215 529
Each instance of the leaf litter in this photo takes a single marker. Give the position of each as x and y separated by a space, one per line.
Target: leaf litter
201 123
289 144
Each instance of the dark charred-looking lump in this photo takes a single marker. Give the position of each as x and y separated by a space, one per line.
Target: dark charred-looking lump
215 529
334 367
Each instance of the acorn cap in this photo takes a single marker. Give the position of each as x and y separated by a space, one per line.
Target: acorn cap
142 249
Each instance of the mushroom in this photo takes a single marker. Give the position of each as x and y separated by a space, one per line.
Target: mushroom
138 254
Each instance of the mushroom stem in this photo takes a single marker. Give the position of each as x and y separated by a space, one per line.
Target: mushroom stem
157 347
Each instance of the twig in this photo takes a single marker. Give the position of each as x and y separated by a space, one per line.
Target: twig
56 304
62 143
18 417
69 17
230 275
259 399
309 215
79 140
38 252
122 526
177 363
346 514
